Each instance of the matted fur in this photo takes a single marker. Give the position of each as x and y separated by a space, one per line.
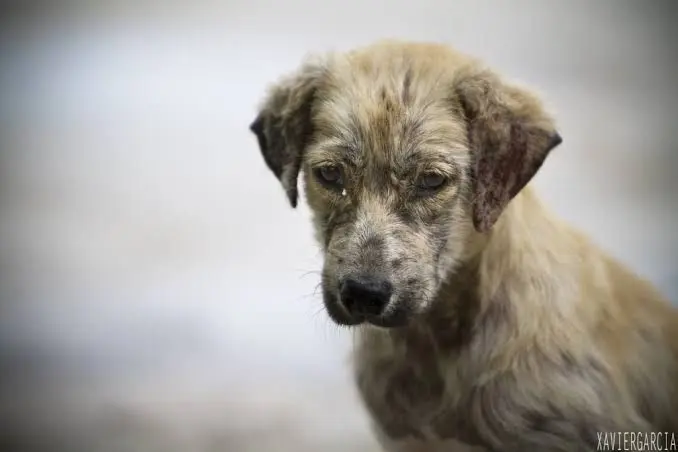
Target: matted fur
507 329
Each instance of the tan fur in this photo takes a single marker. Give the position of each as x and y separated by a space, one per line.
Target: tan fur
507 329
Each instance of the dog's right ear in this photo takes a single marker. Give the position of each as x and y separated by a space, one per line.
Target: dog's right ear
284 125
510 134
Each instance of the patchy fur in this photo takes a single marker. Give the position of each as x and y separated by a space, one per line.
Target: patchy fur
502 327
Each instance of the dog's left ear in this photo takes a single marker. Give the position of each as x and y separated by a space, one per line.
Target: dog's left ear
510 136
284 126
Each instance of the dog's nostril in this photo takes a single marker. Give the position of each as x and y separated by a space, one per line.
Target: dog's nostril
366 295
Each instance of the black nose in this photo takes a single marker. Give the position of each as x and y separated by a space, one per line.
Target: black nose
365 295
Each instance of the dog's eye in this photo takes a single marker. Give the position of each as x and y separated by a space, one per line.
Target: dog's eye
431 181
330 175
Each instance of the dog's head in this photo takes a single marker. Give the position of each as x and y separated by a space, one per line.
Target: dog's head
409 153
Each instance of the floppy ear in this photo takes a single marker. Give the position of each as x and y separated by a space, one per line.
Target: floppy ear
510 136
284 126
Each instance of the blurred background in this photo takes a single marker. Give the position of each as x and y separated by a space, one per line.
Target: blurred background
157 293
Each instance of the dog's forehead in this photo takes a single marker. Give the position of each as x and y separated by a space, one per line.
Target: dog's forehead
388 119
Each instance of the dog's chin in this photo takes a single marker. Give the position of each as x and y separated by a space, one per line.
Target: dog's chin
384 321
396 319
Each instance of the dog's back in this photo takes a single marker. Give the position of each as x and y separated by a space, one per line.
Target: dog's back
639 331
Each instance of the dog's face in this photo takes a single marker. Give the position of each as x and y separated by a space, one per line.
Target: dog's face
409 154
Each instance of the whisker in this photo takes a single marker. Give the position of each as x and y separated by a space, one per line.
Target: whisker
320 310
310 272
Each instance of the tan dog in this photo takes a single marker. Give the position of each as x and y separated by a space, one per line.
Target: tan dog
482 319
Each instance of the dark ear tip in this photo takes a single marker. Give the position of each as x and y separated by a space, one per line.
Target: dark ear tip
257 126
293 197
556 139
483 224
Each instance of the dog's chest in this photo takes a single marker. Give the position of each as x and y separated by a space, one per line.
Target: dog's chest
410 395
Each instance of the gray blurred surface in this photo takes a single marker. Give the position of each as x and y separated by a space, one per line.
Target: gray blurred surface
157 292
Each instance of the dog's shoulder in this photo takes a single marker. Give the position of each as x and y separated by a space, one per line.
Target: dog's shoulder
585 310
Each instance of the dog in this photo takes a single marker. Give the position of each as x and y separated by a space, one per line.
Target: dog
483 320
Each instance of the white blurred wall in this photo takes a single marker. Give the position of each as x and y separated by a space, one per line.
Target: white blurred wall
157 292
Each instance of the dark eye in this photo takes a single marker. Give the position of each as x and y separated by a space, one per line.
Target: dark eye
330 175
431 182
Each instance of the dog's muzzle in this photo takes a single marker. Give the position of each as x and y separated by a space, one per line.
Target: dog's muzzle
368 298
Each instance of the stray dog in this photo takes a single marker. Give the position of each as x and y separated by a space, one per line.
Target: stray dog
483 320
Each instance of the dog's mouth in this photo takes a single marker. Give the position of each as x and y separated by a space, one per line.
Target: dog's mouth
396 319
394 316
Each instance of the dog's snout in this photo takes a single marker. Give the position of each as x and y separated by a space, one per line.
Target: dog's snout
365 295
